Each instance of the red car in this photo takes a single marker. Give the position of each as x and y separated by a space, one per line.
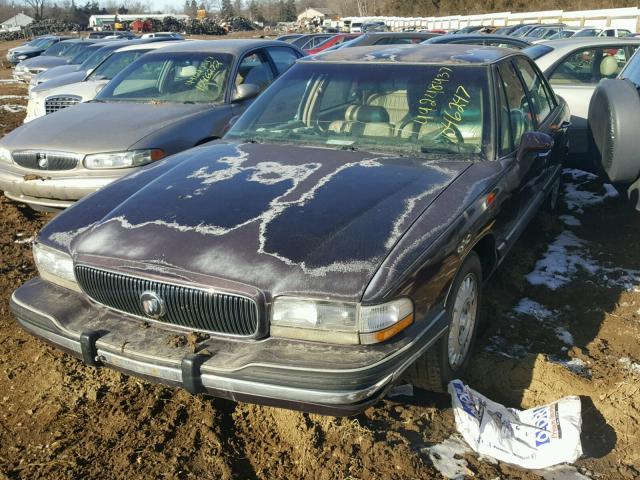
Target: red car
330 42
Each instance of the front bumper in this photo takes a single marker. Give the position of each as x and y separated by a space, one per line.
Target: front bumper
322 378
53 189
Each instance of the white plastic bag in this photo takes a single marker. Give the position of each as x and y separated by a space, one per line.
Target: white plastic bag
536 438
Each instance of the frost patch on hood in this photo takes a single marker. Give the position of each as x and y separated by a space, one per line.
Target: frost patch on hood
64 239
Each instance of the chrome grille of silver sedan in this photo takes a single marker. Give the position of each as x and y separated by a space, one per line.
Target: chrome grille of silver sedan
177 305
53 104
46 160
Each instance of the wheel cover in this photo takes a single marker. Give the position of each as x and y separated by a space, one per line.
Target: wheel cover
463 321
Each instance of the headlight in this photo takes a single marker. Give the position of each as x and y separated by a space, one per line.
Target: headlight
5 155
55 266
133 158
339 322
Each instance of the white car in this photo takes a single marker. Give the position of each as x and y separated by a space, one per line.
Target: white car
574 66
602 32
43 101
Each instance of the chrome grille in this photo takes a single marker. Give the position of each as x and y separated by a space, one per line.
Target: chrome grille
185 306
43 160
53 104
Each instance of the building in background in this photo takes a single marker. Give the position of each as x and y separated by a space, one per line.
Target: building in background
15 23
312 12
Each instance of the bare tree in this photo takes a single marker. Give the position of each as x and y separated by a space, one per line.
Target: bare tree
38 8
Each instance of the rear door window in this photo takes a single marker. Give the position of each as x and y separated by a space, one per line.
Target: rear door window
254 69
589 66
282 57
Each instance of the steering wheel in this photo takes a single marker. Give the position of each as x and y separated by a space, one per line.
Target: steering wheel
439 137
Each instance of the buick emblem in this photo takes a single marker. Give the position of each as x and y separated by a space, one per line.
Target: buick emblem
152 305
43 161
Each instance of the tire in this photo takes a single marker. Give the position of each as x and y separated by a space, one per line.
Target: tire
614 115
435 368
552 201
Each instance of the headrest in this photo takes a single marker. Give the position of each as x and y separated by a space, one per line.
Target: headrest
366 114
608 66
188 71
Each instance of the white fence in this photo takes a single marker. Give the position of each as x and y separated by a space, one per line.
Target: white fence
627 18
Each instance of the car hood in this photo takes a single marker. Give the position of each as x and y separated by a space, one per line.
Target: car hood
58 80
46 61
287 220
90 127
19 50
58 71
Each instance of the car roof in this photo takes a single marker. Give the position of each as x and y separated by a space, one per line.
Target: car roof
573 42
151 45
477 36
234 47
441 54
397 34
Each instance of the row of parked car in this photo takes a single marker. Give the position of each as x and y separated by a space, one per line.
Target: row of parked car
334 241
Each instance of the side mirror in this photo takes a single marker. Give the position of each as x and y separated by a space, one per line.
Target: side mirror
534 142
245 92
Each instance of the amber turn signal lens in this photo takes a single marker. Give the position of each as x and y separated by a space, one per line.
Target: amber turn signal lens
156 154
387 333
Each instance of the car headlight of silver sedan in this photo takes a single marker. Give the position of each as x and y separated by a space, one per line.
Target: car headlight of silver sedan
55 266
128 159
339 322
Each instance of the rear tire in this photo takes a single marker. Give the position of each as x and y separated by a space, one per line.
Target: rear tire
448 358
614 114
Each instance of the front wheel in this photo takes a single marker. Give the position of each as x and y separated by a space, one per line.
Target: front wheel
448 358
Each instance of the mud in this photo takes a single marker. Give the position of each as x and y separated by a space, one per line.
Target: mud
61 419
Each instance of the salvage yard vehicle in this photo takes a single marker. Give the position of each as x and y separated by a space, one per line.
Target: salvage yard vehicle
167 101
33 48
331 243
56 94
574 66
385 38
85 62
614 116
487 40
61 53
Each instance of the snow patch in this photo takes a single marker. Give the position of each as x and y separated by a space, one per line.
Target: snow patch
570 220
527 306
443 457
577 197
575 365
13 108
564 257
633 367
564 336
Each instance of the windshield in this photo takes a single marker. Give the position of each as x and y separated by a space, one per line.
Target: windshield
115 64
57 50
96 56
187 77
74 49
82 55
537 51
588 32
403 109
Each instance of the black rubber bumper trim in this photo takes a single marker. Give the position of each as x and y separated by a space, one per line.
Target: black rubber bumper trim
190 367
88 340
